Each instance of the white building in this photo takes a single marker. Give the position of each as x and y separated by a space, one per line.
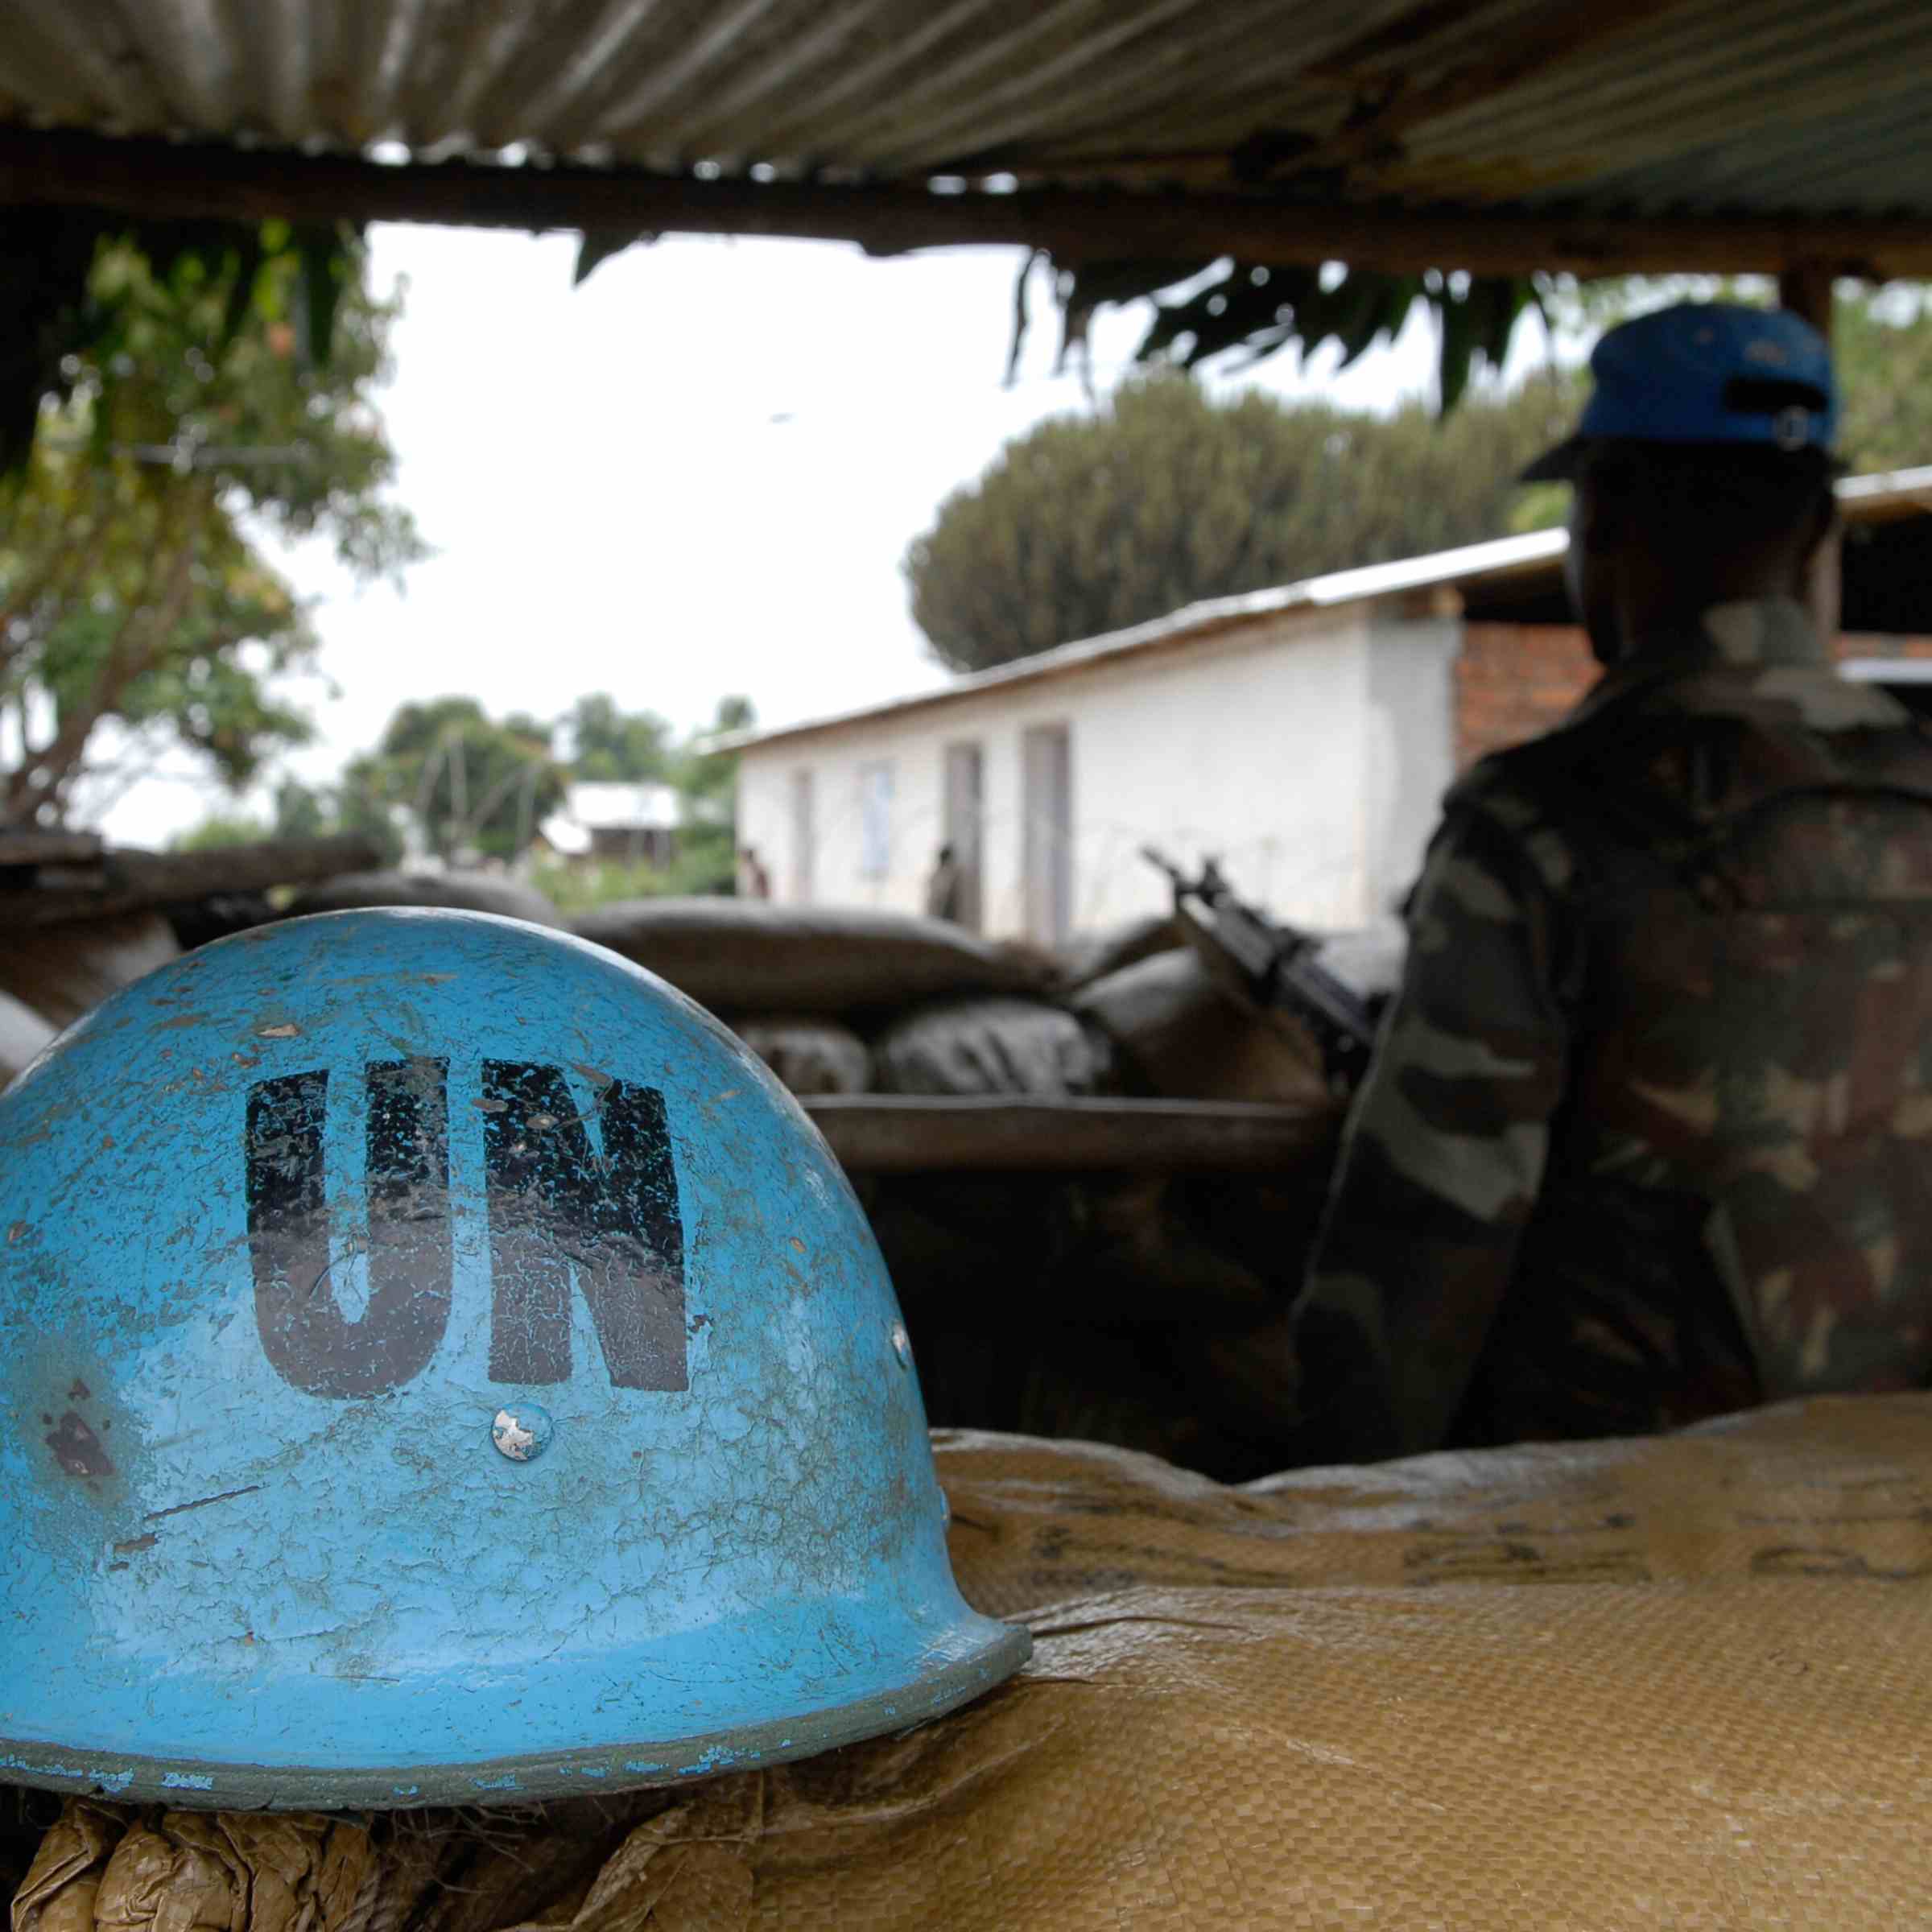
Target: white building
631 822
1304 736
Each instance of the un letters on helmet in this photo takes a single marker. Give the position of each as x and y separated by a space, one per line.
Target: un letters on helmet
442 1365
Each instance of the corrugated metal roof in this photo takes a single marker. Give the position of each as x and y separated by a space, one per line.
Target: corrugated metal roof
600 805
1870 499
597 805
1645 106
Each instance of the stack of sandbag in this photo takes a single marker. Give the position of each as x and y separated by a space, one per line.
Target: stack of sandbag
1016 1047
62 972
848 1000
1180 1036
1093 956
454 891
56 973
1063 1304
745 956
1670 1682
811 1054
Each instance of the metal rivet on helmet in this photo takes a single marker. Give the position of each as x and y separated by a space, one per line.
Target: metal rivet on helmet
307 1214
522 1433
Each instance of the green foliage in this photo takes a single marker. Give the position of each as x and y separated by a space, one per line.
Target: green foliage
1882 346
128 589
217 829
352 808
709 781
301 811
56 307
707 854
1087 525
609 743
577 885
468 783
1257 308
707 845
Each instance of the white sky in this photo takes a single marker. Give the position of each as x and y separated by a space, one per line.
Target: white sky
694 475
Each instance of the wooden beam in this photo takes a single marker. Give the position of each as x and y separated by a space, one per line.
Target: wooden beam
32 847
913 1133
170 178
132 882
1805 288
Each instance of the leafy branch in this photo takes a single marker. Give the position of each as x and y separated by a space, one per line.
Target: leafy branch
1258 309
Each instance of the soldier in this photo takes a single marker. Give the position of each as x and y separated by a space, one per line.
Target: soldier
946 887
1647 1136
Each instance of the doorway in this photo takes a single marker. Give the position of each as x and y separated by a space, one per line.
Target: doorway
1047 832
804 838
962 817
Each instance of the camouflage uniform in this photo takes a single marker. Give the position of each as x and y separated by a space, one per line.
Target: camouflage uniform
1647 1136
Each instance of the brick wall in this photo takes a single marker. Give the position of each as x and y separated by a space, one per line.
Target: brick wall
1872 644
1516 681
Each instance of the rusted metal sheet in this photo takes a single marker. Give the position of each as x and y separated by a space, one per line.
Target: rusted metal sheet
1646 110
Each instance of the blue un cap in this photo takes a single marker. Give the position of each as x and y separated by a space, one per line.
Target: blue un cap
1705 372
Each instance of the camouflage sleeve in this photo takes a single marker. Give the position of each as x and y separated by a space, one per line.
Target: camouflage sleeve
1444 1149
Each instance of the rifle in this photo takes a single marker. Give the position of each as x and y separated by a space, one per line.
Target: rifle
1270 968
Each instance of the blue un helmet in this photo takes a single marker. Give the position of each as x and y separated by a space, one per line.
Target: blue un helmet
441 1365
1704 372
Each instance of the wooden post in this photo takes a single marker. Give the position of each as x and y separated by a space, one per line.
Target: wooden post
920 1133
132 882
1805 288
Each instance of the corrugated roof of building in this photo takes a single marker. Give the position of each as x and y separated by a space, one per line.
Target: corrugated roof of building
596 805
1869 499
1647 110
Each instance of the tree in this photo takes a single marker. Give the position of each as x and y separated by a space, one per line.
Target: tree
301 811
1086 525
706 855
468 782
130 588
609 743
708 842
218 829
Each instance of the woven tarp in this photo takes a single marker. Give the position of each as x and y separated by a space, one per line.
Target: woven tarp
1679 1682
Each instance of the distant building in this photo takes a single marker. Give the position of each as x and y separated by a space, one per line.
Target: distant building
636 823
1304 736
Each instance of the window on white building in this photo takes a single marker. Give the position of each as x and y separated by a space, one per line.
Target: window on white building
963 813
804 839
875 821
1047 832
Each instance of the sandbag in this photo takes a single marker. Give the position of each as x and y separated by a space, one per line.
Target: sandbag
460 891
220 915
810 1055
1091 958
749 956
1660 1683
1181 1038
990 1047
23 1033
62 972
194 1872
